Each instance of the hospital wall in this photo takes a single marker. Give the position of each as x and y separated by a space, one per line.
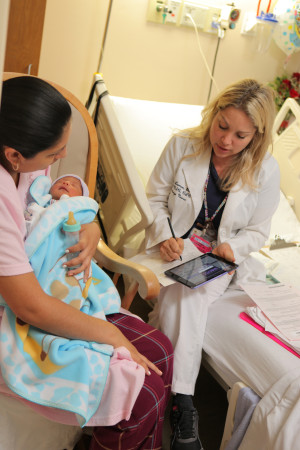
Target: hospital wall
147 60
4 8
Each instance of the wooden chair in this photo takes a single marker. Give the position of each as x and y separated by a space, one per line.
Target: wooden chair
82 159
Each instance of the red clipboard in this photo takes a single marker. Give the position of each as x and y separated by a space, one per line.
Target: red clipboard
248 319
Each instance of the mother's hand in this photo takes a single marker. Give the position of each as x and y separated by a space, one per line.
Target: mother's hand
88 240
171 249
142 360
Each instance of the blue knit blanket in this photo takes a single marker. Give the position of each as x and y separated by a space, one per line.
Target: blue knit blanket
52 370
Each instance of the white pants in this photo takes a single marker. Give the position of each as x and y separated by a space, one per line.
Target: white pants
181 314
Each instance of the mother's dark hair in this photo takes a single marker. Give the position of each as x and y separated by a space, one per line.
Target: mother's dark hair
33 115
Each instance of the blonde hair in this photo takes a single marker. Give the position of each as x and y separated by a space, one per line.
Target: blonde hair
257 101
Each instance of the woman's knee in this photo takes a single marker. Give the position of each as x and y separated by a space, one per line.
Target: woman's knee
163 353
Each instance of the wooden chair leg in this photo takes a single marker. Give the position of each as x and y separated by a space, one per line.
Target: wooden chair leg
115 279
129 296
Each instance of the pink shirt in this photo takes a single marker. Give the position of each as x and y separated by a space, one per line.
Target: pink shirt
13 201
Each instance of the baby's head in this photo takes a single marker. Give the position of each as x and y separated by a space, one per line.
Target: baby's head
71 185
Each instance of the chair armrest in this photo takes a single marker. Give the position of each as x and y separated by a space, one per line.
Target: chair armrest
148 284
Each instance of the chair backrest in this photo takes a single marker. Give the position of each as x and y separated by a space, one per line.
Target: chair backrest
82 149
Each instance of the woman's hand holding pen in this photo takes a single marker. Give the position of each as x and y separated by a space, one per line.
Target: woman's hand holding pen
171 249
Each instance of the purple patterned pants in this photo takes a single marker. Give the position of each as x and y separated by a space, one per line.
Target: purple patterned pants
144 428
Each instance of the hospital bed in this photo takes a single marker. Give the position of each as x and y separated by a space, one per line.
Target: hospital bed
132 134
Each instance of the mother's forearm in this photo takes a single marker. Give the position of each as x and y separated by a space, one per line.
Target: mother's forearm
32 305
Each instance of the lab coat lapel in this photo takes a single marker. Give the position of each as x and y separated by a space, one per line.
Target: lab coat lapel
195 173
236 196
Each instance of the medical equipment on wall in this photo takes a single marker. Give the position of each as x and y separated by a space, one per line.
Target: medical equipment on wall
201 18
262 26
207 17
228 18
265 26
282 25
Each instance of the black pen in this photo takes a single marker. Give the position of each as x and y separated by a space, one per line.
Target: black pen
173 234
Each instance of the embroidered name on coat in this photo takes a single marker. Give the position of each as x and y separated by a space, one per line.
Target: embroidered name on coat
181 192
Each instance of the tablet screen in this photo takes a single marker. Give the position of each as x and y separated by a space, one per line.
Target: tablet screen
200 270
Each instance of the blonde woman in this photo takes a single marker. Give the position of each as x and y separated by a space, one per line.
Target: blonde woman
216 182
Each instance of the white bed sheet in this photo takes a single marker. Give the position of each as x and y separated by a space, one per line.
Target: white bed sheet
233 348
240 352
284 222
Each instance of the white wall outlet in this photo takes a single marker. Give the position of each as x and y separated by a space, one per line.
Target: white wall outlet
197 12
174 11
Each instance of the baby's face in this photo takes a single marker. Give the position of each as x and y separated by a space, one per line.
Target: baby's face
66 185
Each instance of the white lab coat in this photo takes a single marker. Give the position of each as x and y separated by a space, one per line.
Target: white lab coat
175 190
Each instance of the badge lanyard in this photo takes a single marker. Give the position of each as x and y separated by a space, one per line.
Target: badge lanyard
206 239
208 221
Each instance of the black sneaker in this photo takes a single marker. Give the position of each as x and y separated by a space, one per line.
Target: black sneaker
184 423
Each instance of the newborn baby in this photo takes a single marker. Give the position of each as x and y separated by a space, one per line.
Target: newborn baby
43 194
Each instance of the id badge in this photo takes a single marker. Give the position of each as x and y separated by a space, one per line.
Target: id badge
203 245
